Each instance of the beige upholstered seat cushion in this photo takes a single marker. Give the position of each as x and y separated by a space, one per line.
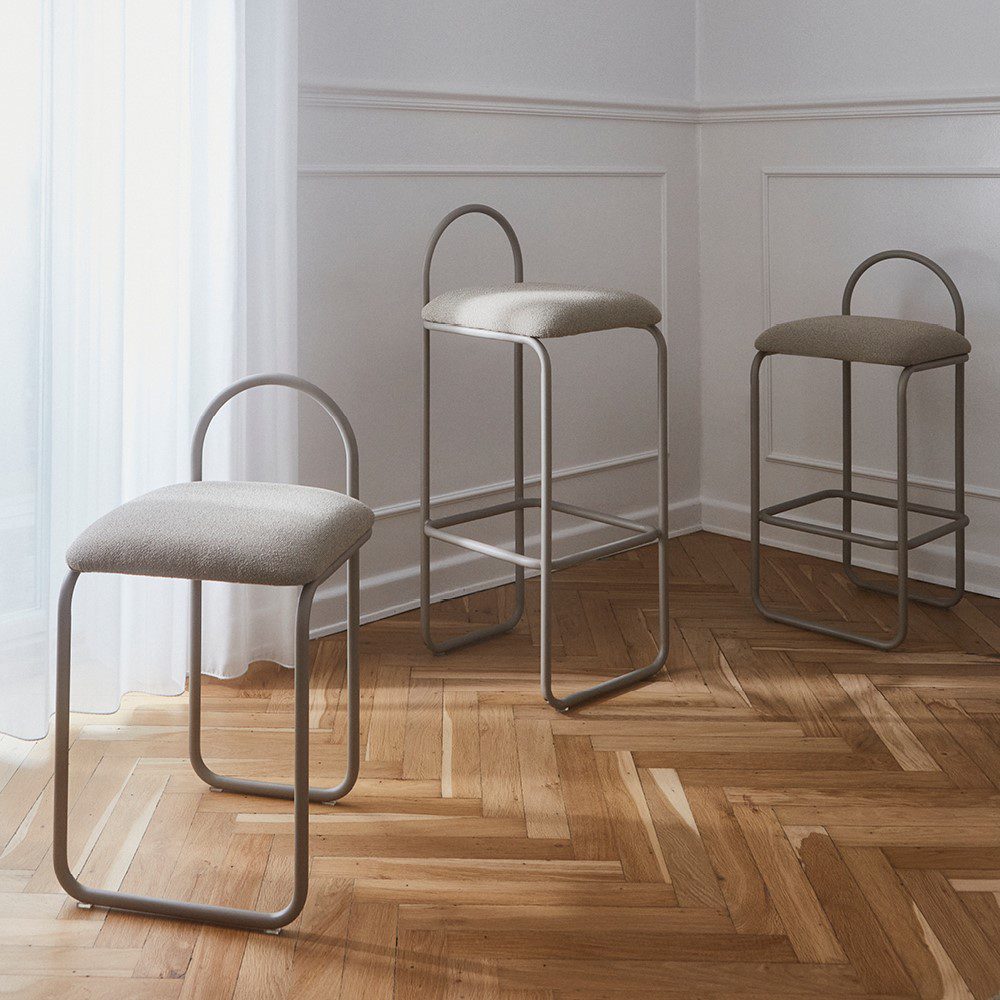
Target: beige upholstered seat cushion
237 532
873 339
534 310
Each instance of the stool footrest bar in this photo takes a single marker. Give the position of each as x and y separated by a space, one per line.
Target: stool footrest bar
602 518
534 503
809 528
939 532
803 501
483 548
891 502
770 515
869 498
608 549
480 514
642 537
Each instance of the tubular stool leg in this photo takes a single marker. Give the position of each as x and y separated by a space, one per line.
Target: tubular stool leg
755 483
457 642
958 591
641 673
518 478
847 461
273 789
227 916
221 782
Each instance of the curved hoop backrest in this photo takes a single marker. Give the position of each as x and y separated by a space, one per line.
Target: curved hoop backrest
457 214
956 299
289 382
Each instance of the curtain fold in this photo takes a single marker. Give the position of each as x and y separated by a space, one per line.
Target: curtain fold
148 262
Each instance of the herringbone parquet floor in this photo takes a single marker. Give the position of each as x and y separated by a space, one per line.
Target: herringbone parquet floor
779 815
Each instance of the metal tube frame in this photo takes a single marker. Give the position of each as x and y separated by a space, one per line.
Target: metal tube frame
956 520
299 791
246 786
544 564
486 632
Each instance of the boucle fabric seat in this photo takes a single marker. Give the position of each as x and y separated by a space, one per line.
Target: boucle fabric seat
539 310
876 340
236 532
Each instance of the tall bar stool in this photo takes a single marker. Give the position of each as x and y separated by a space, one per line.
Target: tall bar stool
524 315
235 532
913 347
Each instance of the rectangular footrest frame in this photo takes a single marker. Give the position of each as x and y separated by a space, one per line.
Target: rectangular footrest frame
641 534
770 515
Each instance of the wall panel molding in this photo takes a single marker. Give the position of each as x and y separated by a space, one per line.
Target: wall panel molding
315 95
434 170
889 107
329 96
808 462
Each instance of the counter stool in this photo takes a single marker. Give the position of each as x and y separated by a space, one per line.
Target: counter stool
913 347
235 532
524 315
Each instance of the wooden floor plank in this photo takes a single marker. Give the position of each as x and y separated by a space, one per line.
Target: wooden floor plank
750 904
855 923
968 947
918 949
683 851
369 966
321 940
218 952
590 826
460 746
895 734
501 779
806 923
544 810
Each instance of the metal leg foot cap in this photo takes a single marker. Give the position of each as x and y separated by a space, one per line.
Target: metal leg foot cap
84 906
274 930
214 788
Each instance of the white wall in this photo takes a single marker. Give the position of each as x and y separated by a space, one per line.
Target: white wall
630 50
792 199
763 51
696 159
599 194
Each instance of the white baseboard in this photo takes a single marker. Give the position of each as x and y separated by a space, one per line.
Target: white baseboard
461 572
934 563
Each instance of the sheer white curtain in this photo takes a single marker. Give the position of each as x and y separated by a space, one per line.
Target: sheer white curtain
147 259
